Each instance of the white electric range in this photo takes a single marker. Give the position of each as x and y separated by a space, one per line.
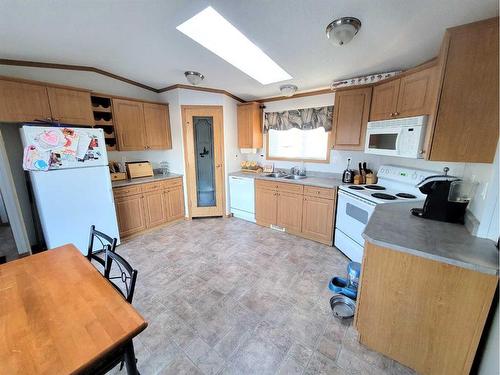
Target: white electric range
356 203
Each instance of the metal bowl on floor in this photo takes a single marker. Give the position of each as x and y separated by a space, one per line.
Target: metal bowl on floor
343 307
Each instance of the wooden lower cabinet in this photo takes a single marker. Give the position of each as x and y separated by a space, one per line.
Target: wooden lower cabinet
317 219
155 208
289 212
174 201
266 205
148 205
130 214
423 313
305 211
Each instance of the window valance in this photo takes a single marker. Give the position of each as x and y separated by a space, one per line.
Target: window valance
304 119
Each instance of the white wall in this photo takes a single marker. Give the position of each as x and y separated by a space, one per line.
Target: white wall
85 80
481 173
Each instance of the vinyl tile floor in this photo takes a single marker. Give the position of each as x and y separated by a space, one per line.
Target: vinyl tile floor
225 296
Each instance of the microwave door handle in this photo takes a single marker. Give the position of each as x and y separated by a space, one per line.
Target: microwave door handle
398 141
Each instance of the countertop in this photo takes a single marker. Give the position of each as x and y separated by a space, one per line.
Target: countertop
144 180
325 180
393 226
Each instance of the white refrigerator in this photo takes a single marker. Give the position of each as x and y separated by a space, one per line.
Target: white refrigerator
71 183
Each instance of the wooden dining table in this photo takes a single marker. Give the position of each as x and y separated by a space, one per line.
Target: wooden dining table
59 315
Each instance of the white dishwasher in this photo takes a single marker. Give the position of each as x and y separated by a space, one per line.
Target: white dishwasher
242 196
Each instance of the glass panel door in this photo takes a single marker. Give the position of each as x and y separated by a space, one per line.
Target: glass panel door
204 155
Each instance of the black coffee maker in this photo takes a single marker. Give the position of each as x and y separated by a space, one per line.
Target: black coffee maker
437 205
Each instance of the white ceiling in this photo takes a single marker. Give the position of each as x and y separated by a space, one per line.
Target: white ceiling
138 39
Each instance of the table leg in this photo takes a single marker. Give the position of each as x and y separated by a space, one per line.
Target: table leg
130 359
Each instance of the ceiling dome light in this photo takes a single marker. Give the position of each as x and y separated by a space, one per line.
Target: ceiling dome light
288 90
194 78
342 30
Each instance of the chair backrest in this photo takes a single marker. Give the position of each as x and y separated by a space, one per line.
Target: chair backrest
105 243
123 272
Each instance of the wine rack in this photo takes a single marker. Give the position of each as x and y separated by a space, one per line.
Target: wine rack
103 119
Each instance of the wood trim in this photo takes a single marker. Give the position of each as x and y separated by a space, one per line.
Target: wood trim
299 95
42 83
199 88
95 93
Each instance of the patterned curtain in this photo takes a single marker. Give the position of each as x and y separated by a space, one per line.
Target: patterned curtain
304 119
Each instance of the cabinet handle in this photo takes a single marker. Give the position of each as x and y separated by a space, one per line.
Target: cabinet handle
396 113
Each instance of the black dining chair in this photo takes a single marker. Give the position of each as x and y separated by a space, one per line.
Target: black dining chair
103 242
122 272
123 277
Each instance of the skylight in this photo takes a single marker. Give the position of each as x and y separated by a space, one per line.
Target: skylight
215 33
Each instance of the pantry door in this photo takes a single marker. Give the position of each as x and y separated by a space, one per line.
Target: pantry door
204 160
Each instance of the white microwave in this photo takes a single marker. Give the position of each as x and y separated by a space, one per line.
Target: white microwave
402 137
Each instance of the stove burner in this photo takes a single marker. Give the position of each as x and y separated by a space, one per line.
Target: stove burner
354 187
384 196
405 195
374 187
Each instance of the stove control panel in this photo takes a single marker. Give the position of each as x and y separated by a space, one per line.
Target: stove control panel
404 175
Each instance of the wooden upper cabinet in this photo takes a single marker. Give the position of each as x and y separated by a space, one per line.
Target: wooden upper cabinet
23 102
129 124
157 125
249 125
350 118
417 93
384 100
466 127
70 106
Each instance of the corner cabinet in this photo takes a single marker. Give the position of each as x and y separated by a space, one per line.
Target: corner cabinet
249 125
141 125
466 125
350 118
305 211
143 206
70 106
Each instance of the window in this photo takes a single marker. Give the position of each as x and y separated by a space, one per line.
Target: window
296 144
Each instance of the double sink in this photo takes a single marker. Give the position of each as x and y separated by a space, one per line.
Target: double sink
285 176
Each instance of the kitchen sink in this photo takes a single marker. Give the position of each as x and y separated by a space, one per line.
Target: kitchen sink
276 175
294 177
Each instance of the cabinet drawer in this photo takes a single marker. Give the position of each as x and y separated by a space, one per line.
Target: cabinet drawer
290 188
153 186
126 191
264 184
172 183
313 191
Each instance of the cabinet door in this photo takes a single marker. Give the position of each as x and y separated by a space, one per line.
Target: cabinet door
384 100
70 106
23 102
466 128
174 203
157 125
317 219
417 93
350 118
130 213
129 125
289 214
266 203
249 125
155 208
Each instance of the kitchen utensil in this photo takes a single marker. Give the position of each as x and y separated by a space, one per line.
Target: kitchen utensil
348 175
371 179
139 169
343 307
358 179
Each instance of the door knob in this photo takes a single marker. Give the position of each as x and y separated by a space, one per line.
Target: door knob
219 165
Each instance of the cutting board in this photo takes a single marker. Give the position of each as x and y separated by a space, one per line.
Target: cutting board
139 169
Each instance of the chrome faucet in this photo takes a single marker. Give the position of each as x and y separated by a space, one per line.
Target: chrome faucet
298 171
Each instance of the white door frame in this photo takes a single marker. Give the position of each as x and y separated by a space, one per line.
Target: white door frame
12 203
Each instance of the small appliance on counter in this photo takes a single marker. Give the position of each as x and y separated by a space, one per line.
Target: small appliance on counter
138 169
348 175
447 198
